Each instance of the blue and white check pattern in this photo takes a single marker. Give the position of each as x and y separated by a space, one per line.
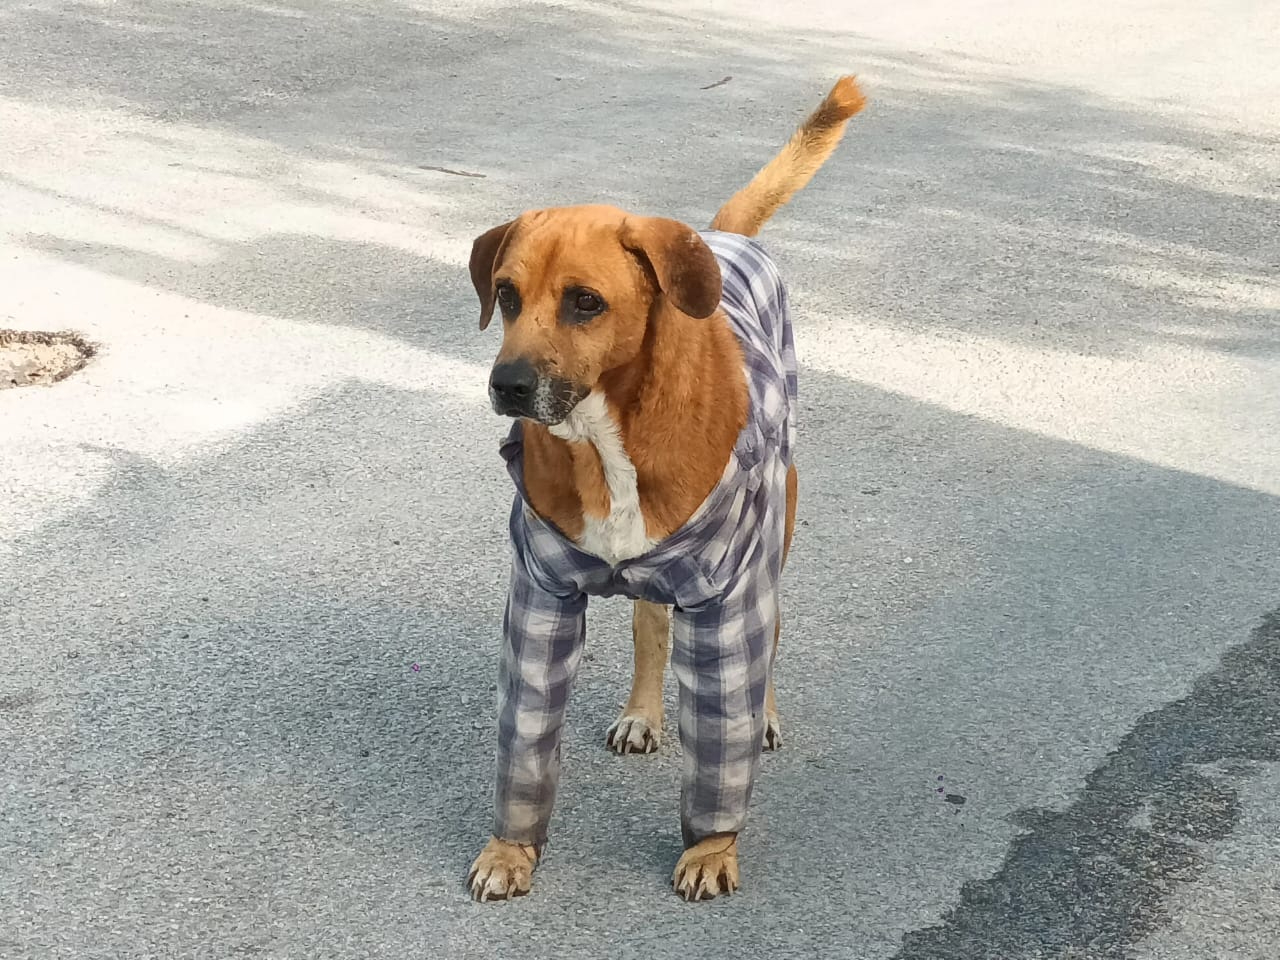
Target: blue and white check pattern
719 572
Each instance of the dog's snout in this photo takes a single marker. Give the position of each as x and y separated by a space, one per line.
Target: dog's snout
519 388
514 382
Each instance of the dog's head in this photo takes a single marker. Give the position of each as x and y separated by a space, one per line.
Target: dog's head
578 288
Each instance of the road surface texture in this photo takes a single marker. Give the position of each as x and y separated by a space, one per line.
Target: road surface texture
1031 657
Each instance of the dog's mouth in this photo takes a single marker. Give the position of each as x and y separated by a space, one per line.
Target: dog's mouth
549 401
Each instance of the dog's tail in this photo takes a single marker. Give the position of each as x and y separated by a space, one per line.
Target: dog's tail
786 174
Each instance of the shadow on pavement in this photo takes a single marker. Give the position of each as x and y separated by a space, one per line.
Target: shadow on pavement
211 720
963 200
222 720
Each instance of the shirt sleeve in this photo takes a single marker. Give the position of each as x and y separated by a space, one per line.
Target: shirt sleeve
544 628
720 656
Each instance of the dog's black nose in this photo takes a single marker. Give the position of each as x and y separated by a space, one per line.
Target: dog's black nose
513 383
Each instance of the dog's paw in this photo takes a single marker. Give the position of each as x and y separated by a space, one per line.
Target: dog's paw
772 732
707 869
634 733
503 870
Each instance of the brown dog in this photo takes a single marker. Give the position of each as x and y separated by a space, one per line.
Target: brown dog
651 375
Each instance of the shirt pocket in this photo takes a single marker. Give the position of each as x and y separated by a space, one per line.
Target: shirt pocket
707 568
694 589
750 449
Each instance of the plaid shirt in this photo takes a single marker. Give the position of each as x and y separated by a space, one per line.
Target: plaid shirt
719 572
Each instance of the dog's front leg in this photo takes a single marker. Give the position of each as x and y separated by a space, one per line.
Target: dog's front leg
720 657
543 629
638 728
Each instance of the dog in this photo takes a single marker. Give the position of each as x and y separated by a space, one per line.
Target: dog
649 371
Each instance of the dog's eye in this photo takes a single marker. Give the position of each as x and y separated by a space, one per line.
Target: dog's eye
578 306
508 299
588 303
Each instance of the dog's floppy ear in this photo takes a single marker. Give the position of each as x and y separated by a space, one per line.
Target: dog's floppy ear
687 271
485 252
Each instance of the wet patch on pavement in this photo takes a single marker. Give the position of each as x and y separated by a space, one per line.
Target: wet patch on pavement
1092 880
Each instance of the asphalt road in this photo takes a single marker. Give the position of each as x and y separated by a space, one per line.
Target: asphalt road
1036 569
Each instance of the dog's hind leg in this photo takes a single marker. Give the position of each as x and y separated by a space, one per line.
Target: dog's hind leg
639 728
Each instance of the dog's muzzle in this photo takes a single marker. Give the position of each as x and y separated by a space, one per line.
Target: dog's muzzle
517 389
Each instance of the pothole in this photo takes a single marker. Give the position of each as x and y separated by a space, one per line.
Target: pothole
29 357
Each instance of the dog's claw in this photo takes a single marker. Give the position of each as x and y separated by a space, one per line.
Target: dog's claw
633 733
707 869
502 870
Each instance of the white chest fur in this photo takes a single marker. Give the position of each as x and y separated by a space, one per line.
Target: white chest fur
620 534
